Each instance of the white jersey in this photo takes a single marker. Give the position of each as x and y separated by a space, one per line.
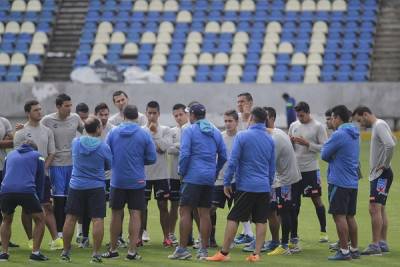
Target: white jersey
117 119
228 140
173 151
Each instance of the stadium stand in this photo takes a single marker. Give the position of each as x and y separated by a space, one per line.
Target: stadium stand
25 29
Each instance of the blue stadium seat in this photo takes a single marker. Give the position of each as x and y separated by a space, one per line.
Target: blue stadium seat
169 16
249 78
123 16
34 59
170 77
7 48
217 77
175 58
201 77
138 16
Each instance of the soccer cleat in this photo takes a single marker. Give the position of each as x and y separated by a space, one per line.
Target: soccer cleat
85 243
323 237
167 243
180 254
173 238
4 256
96 259
252 246
270 245
334 246
202 254
57 244
355 255
38 257
372 250
133 257
243 239
11 245
121 243
110 255
65 257
294 245
30 243
218 257
280 250
78 239
384 246
253 258
339 256
145 236
197 244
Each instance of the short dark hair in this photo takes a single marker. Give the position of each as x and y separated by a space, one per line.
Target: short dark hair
302 106
100 107
82 107
61 98
153 104
360 110
328 113
119 92
179 106
285 95
131 112
259 114
91 124
248 96
271 112
232 113
342 112
28 105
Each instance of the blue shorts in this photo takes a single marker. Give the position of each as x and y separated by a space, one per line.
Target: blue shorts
59 178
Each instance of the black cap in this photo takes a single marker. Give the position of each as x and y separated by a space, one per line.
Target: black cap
198 109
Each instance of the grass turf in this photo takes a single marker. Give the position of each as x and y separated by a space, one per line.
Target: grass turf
313 254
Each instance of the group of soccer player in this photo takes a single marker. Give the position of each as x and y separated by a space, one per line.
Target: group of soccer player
65 166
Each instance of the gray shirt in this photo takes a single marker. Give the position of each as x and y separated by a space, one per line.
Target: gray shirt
173 151
315 133
117 119
382 148
41 135
106 130
228 140
242 125
5 129
64 132
287 171
163 140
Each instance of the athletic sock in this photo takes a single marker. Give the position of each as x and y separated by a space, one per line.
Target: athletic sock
247 229
294 221
286 226
213 224
60 234
78 229
353 249
36 252
321 217
345 251
59 212
224 253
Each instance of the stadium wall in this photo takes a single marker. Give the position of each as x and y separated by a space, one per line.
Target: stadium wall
383 98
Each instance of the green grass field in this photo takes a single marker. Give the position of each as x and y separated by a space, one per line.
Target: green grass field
313 254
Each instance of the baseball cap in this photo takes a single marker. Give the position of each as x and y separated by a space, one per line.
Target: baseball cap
198 109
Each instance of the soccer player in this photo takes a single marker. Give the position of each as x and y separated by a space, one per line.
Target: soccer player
308 136
328 122
90 156
43 137
6 141
22 185
252 163
82 109
244 106
231 121
64 126
120 100
157 174
380 177
286 175
182 121
290 111
342 151
102 112
132 148
202 156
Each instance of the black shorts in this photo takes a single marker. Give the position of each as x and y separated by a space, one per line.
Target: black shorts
89 202
160 187
218 197
133 197
273 202
379 188
108 181
286 197
342 201
250 206
174 189
196 196
46 191
311 183
29 202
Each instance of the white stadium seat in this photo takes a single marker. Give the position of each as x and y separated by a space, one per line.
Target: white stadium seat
232 5
247 5
4 59
274 26
313 70
232 79
195 37
102 38
118 38
263 79
185 79
171 5
293 5
105 27
308 5
234 70
190 59
188 70
27 27
212 27
299 59
37 49
40 38
31 70
324 5
268 58
285 47
310 79
314 59
339 5
270 48
156 5
184 16
316 48
159 59
18 6
166 26
140 5
157 69
1 27
100 49
206 59
320 26
239 48
12 27
192 48
228 26
237 59
265 70
241 37
18 59
148 38
221 59
34 6
130 49
161 48
272 37
164 38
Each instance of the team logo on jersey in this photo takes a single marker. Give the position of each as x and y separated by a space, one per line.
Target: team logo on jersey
381 186
29 135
